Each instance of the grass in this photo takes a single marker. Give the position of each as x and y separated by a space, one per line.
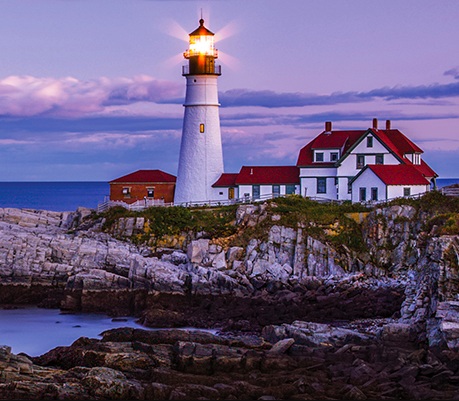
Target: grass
162 221
324 221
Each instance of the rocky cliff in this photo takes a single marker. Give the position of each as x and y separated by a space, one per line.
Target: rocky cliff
77 262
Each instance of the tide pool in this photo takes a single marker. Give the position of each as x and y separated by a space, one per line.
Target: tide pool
35 331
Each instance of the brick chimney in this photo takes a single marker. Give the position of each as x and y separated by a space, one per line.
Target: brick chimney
375 123
328 126
387 124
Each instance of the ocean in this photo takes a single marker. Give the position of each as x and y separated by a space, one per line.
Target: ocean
54 196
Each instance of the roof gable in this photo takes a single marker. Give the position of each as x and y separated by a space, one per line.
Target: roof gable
146 176
392 139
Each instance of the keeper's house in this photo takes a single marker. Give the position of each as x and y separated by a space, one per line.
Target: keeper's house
153 186
375 164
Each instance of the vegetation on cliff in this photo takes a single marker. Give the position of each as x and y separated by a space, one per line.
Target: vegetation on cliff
323 221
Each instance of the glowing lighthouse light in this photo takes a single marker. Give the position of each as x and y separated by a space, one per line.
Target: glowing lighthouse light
202 44
201 156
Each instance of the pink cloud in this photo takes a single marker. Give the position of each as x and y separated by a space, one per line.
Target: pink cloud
26 96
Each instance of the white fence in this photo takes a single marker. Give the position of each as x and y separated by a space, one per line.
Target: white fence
450 191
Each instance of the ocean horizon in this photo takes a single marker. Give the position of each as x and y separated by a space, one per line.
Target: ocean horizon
67 196
57 196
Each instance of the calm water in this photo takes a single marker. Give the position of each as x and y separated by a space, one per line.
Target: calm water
36 331
55 196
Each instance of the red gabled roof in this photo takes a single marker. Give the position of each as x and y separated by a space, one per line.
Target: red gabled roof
268 175
399 174
145 176
328 140
226 180
398 143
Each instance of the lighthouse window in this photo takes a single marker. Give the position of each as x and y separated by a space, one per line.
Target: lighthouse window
201 128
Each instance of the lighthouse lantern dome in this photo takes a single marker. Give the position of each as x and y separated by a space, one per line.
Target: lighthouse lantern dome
201 43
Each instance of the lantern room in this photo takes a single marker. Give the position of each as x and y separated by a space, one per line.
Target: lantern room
201 53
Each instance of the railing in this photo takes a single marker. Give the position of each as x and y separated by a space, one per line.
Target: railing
217 70
142 205
450 191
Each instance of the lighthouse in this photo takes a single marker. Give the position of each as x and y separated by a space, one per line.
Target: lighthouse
201 156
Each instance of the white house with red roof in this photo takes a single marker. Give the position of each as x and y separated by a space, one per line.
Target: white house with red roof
364 165
330 165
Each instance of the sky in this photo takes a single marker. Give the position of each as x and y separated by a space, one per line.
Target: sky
91 90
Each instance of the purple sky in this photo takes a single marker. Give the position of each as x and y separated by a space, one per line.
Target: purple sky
92 90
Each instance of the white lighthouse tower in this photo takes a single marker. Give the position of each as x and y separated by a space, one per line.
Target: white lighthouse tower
201 156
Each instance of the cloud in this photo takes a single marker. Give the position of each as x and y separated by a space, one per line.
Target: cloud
454 72
26 96
300 120
271 99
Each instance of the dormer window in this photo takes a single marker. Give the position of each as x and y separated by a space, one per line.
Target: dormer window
319 156
369 142
416 158
333 156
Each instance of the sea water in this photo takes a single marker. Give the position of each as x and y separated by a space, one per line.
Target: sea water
54 196
35 331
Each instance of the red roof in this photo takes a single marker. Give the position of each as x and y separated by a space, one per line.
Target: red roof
144 176
226 180
328 140
398 143
399 174
268 175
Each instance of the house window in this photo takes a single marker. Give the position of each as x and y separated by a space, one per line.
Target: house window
374 194
360 161
406 191
379 159
333 156
256 192
319 156
321 185
369 142
127 192
363 194
336 180
150 192
276 190
201 128
290 189
349 186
